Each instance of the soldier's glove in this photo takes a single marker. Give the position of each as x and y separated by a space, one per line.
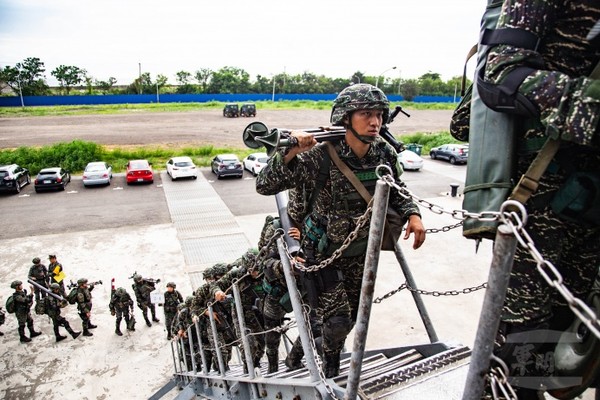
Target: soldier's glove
113 313
576 118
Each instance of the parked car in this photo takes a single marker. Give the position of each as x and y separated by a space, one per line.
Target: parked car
139 171
455 153
231 110
52 178
227 165
248 110
13 178
181 167
410 160
255 162
97 173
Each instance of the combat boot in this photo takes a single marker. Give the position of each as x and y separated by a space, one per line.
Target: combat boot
293 361
331 364
154 319
91 326
148 323
118 329
59 337
22 337
86 332
73 334
32 332
273 362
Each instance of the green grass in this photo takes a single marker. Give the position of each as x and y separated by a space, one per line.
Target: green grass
429 140
185 107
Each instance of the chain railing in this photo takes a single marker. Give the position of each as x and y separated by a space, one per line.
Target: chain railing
434 293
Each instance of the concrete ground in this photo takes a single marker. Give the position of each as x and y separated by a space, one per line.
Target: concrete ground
134 366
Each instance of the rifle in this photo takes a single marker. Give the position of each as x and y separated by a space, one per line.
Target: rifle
149 280
73 285
46 290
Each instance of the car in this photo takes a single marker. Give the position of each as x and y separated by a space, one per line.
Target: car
97 173
139 171
226 165
248 110
51 179
255 162
13 177
231 110
410 160
181 167
455 153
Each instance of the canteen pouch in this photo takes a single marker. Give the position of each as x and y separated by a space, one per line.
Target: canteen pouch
578 199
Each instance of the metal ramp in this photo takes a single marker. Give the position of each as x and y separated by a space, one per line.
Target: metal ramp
393 373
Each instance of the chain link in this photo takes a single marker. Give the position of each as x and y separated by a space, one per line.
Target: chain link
497 376
434 293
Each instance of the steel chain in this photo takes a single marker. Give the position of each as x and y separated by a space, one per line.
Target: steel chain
434 293
498 380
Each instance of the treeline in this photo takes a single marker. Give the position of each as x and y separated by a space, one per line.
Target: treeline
28 78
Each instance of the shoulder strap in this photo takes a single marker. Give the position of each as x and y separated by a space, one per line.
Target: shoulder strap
320 183
348 173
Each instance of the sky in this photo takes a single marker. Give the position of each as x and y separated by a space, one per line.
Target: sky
113 38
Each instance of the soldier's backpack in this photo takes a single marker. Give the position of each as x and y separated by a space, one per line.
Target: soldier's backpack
72 296
10 305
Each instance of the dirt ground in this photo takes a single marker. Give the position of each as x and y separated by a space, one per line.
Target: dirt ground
178 129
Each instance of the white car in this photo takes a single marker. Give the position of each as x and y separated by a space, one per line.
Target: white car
410 160
97 173
181 167
255 162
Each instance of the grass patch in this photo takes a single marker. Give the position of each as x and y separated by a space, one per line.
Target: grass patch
428 140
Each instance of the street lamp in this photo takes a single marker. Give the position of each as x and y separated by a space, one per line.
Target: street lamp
273 96
377 80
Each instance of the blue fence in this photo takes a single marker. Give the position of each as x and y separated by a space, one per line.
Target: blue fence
185 98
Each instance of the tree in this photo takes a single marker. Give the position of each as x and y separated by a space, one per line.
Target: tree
431 84
68 76
357 77
409 89
203 76
229 80
26 77
106 86
183 80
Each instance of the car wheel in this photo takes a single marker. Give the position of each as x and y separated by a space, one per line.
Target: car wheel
17 187
432 155
452 160
254 172
28 181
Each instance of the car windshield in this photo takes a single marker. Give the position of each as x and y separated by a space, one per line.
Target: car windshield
183 164
138 165
3 174
95 167
47 172
263 160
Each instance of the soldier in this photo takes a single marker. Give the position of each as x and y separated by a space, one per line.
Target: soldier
551 96
56 272
361 109
120 305
172 299
2 319
183 322
53 307
22 303
84 305
142 289
39 273
247 276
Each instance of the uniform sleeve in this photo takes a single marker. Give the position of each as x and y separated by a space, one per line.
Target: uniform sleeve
567 101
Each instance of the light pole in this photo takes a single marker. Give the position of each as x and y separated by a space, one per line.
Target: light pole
273 96
377 80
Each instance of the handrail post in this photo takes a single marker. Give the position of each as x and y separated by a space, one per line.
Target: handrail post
237 297
213 327
205 368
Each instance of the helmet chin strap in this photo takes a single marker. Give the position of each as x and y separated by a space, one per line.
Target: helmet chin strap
364 139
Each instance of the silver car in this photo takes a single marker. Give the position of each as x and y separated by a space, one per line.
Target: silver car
455 153
97 173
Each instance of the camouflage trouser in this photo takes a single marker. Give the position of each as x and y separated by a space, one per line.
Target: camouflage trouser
339 303
122 313
257 342
273 314
169 318
224 343
145 306
24 319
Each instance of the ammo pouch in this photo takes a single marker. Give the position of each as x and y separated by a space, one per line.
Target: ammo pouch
286 303
313 229
328 277
578 199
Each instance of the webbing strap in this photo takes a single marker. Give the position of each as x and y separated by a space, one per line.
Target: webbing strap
348 173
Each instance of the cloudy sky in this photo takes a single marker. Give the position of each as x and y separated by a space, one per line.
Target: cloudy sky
111 38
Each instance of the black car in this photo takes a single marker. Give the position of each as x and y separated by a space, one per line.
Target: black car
13 178
231 110
52 178
227 165
248 110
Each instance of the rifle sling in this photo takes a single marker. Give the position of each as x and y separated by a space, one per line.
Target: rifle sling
348 173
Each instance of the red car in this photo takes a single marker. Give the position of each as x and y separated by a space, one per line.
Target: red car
139 171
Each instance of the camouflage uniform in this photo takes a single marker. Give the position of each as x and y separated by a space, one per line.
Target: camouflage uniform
23 303
568 106
172 299
54 269
183 322
332 219
2 319
251 291
39 273
84 305
121 305
53 307
142 289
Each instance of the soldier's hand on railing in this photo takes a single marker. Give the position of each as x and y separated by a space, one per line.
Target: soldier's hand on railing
220 295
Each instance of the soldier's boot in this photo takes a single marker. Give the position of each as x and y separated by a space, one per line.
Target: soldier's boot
22 337
153 312
273 362
1 333
331 364
32 332
293 361
148 323
91 326
86 331
118 328
59 337
73 334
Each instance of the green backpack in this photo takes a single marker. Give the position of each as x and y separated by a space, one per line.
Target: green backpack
10 305
72 296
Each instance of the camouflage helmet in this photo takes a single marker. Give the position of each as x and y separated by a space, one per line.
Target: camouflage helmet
219 269
36 260
82 281
171 284
249 257
208 273
181 306
54 286
14 284
189 300
137 278
360 96
120 292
